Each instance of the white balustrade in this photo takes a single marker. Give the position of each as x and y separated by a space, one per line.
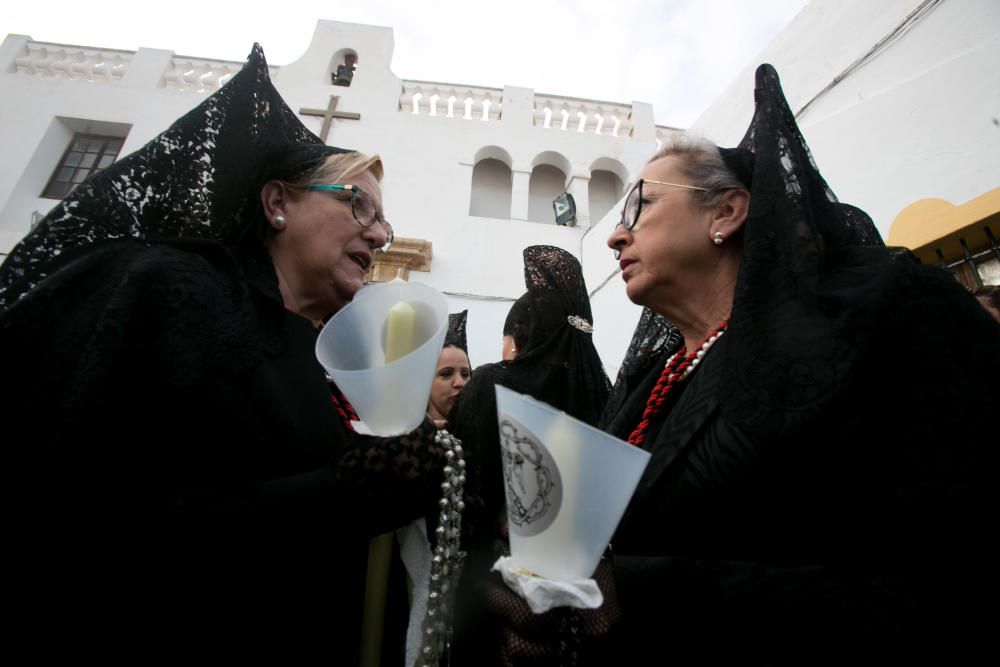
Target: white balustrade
446 100
73 62
199 74
572 114
109 65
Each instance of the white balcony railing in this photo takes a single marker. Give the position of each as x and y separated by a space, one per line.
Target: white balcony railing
73 62
199 74
449 100
572 114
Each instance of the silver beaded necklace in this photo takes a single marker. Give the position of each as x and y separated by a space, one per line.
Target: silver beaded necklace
446 564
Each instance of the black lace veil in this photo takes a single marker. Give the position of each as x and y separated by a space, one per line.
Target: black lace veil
654 335
808 263
456 330
560 336
518 320
198 179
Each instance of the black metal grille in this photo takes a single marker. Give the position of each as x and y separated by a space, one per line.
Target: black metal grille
967 268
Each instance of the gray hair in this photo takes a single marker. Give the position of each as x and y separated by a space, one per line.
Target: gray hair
701 162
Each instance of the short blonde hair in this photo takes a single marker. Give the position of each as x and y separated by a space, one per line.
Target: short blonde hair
332 169
335 168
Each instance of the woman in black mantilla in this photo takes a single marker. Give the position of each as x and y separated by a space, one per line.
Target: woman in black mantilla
818 486
453 371
182 469
821 421
556 362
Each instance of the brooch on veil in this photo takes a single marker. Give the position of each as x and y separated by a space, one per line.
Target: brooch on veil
578 322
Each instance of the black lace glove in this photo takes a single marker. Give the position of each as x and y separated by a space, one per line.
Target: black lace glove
562 636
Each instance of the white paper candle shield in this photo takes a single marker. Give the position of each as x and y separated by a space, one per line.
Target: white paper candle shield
389 396
567 486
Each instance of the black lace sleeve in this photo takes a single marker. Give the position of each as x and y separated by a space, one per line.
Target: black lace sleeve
396 479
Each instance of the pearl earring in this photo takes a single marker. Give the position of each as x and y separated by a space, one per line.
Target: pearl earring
718 238
279 220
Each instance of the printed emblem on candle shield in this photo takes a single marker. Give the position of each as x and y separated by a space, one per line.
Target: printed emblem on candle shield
531 480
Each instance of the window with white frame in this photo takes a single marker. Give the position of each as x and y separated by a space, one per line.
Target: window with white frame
86 155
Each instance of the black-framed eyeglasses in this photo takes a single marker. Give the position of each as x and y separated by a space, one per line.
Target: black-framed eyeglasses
633 204
362 207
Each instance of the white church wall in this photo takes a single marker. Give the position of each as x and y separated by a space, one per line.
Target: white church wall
615 316
429 158
485 329
39 113
918 120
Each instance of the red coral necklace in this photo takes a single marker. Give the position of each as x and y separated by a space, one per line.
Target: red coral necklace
678 366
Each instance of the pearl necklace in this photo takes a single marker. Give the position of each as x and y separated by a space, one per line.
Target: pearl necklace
677 368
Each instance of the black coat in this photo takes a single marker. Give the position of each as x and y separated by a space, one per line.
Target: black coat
180 469
856 535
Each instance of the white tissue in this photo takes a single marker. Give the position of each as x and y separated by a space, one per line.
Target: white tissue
543 594
361 428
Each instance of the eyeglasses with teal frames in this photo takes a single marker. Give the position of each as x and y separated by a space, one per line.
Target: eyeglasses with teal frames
362 207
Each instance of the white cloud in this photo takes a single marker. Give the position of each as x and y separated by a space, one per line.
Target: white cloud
678 55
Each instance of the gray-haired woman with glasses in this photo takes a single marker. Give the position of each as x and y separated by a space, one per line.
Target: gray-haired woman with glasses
822 431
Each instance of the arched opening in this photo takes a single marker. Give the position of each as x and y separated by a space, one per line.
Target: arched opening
343 65
492 184
547 182
606 188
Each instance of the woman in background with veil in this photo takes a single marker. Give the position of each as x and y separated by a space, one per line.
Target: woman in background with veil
556 362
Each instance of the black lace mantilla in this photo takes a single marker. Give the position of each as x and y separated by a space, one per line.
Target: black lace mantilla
809 276
653 336
456 330
197 179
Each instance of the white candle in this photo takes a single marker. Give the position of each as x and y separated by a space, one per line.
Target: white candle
398 343
399 331
562 536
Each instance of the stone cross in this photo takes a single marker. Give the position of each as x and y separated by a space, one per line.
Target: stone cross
328 114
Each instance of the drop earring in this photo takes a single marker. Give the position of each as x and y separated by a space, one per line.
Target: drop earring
718 238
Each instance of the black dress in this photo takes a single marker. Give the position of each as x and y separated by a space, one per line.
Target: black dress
177 457
857 535
558 365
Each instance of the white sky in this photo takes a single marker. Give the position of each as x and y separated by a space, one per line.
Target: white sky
679 55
